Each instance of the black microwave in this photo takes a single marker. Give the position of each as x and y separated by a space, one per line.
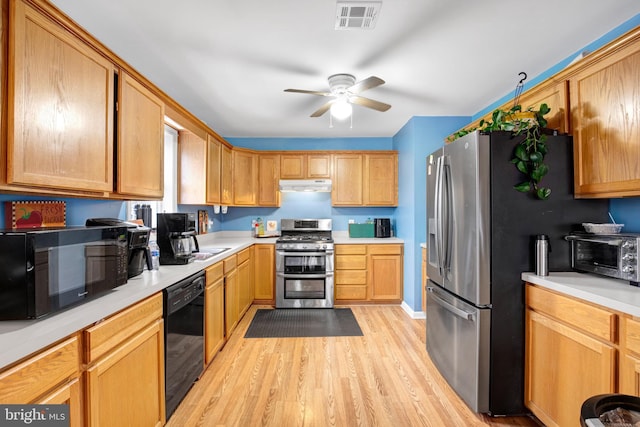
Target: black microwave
45 270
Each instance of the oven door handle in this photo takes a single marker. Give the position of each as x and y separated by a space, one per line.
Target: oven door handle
305 276
290 252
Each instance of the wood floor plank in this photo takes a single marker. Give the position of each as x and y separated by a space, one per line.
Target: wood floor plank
384 378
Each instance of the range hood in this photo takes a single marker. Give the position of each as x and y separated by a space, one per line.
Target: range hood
305 185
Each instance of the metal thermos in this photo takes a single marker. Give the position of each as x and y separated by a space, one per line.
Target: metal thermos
144 213
542 255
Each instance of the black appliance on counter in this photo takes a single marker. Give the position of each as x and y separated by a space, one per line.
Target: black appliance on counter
382 227
45 270
137 243
176 238
481 235
183 338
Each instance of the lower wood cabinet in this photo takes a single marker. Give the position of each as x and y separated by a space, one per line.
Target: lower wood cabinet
264 273
125 367
571 355
629 369
369 273
245 280
231 295
214 311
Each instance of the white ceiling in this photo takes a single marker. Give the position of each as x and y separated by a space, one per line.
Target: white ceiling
228 61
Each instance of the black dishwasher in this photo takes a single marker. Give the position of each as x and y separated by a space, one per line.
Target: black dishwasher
183 338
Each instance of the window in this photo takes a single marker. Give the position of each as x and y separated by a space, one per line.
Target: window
170 201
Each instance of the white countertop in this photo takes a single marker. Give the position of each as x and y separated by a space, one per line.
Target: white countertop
21 338
342 238
615 294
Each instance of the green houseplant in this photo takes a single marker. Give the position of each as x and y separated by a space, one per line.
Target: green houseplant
530 150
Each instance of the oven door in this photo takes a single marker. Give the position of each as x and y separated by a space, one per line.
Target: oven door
304 290
596 255
304 262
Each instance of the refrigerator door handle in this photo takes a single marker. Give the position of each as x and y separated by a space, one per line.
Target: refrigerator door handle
450 308
438 214
447 215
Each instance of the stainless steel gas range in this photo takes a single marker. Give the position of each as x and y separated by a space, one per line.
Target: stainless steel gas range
304 264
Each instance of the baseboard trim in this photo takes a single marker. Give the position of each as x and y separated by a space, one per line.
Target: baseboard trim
411 313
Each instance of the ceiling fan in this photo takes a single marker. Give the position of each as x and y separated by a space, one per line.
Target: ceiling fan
344 89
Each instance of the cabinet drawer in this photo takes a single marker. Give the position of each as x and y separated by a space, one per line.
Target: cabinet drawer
631 334
351 262
357 292
351 277
589 318
385 249
243 255
230 264
41 373
350 249
104 336
215 272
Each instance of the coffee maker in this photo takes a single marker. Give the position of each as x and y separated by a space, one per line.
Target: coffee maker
137 243
176 235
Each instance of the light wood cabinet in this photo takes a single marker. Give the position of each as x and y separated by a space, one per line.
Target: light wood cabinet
556 95
268 177
199 169
127 345
264 273
58 135
231 295
605 121
371 273
629 375
67 394
347 180
380 180
245 173
140 140
214 311
226 175
305 166
570 355
245 280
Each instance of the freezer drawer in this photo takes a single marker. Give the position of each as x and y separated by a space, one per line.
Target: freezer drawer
458 344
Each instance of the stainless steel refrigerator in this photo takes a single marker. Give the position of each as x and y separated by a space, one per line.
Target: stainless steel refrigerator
480 238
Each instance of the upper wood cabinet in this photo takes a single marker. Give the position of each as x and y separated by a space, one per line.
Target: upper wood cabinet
365 179
556 96
226 175
199 171
305 166
268 176
347 180
605 120
245 172
140 140
60 107
380 179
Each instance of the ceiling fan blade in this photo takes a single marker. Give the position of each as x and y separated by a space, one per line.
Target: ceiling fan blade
309 92
369 103
368 83
320 111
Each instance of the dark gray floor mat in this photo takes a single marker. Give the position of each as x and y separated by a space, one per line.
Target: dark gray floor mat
303 322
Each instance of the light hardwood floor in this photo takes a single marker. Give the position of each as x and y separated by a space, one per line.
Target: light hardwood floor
384 378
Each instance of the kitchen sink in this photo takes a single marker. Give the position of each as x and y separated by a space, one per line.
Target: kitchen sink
206 253
214 251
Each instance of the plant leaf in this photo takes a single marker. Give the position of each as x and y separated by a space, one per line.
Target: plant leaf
543 193
522 167
523 187
536 157
539 172
520 152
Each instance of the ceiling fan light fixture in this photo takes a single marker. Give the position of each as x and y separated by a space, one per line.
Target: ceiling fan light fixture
341 109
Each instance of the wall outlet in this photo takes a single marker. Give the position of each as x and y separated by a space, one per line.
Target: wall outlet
352 221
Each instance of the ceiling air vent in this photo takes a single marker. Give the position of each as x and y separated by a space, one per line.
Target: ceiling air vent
357 15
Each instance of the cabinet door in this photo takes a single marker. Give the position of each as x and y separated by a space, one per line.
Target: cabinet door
214 169
318 166
605 121
629 375
67 394
555 95
140 140
60 107
385 272
226 177
380 180
245 172
564 367
268 176
245 284
192 186
113 399
214 319
264 272
347 180
231 301
293 166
